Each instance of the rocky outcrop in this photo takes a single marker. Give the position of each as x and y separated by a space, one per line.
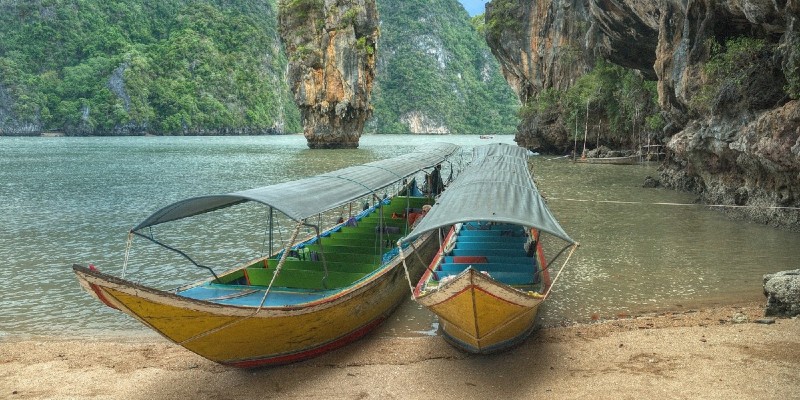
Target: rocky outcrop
740 148
331 46
10 123
782 290
419 123
540 45
755 167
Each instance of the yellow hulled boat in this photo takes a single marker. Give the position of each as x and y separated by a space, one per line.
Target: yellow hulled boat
314 294
490 276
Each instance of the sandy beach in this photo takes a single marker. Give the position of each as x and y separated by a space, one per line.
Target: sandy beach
714 353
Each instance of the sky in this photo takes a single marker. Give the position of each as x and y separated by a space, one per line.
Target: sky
474 7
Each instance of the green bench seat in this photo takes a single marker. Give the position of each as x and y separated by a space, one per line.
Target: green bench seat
301 279
333 266
347 249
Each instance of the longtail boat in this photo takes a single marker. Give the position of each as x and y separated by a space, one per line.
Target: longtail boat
313 294
490 275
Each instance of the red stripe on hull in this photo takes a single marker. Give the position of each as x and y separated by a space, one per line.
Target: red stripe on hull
97 291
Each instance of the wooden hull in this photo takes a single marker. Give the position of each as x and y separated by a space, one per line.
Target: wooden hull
629 160
481 315
477 313
252 336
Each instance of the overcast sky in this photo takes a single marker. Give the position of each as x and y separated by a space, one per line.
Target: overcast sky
474 7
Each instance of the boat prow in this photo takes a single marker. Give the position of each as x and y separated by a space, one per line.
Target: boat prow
482 314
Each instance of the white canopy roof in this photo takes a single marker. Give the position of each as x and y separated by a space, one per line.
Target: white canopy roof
497 187
309 197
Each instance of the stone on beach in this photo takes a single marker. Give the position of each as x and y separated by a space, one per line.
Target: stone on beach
782 290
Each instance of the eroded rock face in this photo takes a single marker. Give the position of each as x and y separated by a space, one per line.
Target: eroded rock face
540 44
755 166
331 46
743 150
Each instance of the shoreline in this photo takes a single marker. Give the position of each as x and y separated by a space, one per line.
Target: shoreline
697 353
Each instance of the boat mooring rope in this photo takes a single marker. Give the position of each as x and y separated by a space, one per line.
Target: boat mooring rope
405 267
574 247
673 204
127 253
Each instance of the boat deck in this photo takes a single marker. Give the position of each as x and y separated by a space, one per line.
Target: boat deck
252 296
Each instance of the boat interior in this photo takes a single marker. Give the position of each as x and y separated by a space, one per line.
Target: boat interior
319 266
497 250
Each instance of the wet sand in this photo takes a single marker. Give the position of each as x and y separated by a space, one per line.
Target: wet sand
692 354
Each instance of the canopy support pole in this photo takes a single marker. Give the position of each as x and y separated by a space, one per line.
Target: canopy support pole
382 224
322 254
271 227
546 267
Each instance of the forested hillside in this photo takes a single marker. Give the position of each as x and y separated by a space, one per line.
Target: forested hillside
203 67
136 66
436 74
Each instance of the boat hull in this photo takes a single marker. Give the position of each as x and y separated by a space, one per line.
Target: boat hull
253 337
627 160
481 315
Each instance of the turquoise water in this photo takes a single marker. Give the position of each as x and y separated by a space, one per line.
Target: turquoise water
72 200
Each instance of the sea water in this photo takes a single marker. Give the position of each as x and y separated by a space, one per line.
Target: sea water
73 200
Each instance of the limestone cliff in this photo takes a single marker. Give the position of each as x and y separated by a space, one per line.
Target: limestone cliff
331 46
733 141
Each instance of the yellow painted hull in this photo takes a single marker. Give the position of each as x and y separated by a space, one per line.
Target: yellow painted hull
251 337
481 315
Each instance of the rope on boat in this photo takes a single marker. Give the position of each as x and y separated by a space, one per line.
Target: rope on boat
574 247
278 267
675 204
127 253
263 299
405 267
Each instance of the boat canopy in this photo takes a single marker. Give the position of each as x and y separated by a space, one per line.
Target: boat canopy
309 197
495 187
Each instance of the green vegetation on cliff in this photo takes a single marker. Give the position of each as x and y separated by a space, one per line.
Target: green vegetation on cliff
740 74
622 106
435 71
135 66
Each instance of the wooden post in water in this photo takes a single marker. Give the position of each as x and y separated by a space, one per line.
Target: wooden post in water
586 130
